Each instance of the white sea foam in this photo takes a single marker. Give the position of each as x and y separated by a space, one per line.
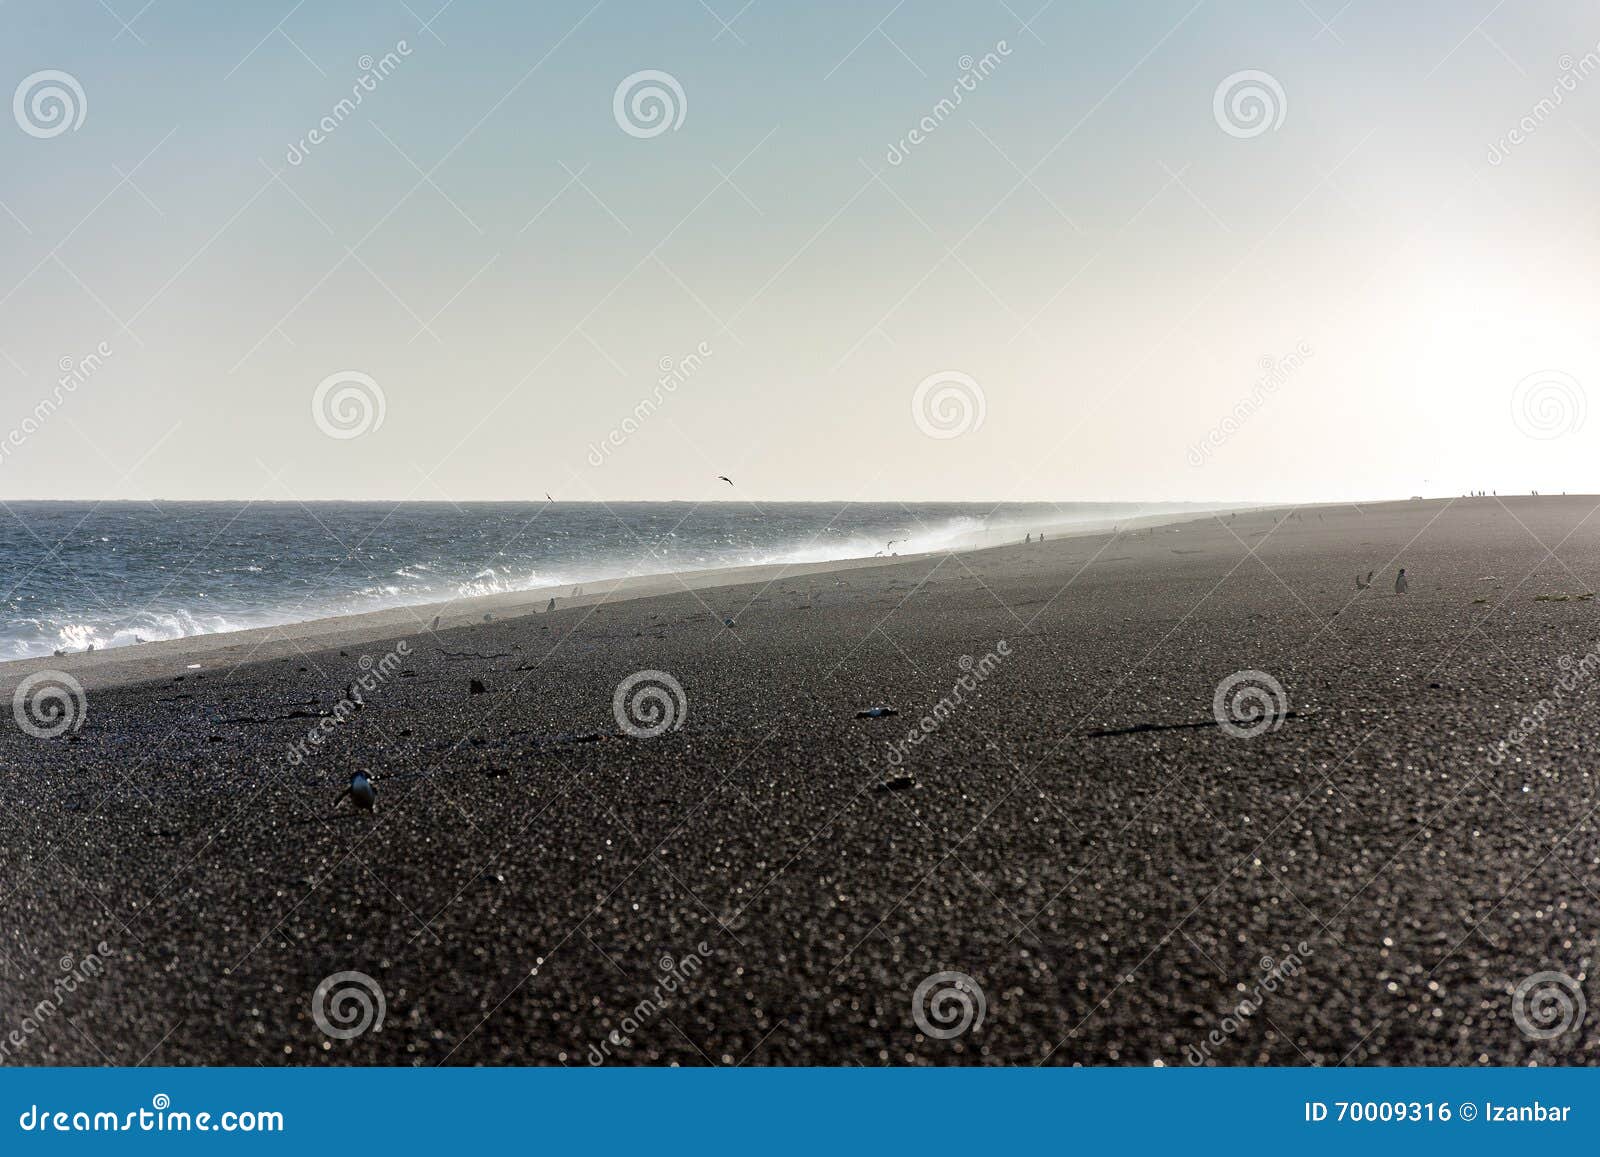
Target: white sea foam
303 579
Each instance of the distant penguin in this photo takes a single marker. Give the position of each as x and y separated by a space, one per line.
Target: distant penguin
1361 585
551 605
1400 583
434 626
362 791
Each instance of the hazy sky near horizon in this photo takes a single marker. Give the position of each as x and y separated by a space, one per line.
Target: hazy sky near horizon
1107 250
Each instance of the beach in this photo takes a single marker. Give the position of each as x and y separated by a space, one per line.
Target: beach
1056 811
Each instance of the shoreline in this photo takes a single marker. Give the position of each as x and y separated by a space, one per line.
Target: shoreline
1009 766
140 662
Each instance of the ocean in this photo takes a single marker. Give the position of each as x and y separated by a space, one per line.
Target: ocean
112 574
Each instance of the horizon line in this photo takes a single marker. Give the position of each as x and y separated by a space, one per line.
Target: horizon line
727 501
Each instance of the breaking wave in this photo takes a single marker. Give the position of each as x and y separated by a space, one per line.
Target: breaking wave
124 574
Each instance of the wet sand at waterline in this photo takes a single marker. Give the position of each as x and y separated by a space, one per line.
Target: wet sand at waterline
774 879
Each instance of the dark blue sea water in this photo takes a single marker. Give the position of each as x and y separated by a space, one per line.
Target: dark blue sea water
113 574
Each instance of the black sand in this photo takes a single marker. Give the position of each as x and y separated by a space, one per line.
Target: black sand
1113 894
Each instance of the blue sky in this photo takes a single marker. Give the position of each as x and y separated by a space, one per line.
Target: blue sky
1353 302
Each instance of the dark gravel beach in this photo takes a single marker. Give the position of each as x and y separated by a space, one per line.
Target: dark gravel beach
1114 871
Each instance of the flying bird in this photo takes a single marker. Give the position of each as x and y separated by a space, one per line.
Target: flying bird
725 478
547 497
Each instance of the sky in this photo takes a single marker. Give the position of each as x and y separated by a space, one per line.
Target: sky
1157 251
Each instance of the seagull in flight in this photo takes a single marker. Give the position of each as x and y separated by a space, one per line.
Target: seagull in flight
725 478
547 497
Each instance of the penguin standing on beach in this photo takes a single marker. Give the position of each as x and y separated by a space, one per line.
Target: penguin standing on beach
1400 583
362 791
